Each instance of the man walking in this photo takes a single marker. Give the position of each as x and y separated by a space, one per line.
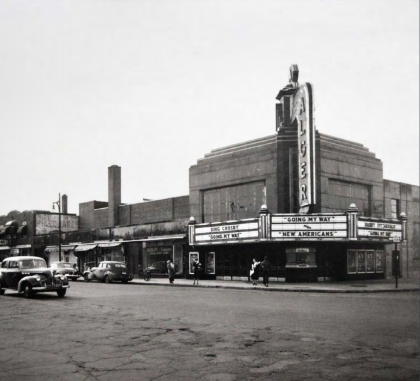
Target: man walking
265 268
171 271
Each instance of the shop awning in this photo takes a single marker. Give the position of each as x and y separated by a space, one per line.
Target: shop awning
85 247
22 230
63 248
109 244
165 238
4 230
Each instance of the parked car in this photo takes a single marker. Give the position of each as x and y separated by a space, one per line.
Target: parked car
65 268
30 275
108 271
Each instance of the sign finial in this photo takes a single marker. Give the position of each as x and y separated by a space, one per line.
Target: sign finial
294 75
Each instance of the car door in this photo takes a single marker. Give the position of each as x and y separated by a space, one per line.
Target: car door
13 274
100 270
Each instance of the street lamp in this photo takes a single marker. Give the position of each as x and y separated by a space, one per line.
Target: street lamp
58 203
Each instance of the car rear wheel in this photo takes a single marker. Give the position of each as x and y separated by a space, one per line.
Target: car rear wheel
61 293
27 291
1 290
107 279
86 277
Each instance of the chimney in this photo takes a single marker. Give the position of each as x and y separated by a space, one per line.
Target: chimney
64 204
114 194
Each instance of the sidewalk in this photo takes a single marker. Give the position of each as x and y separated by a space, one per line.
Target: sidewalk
367 286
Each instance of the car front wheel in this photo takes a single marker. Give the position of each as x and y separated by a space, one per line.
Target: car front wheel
86 277
61 293
27 291
107 279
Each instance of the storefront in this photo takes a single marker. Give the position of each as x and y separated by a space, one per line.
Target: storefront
300 247
156 251
67 254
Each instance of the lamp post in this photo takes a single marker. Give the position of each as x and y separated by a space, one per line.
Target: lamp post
58 203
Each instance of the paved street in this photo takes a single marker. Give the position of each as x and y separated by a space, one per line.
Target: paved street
138 332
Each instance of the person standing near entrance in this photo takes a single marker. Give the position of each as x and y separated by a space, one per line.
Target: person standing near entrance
197 270
171 271
255 271
265 268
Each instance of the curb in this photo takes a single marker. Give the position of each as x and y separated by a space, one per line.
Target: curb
277 289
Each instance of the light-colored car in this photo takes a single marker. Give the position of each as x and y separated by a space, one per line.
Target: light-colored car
108 271
30 275
65 268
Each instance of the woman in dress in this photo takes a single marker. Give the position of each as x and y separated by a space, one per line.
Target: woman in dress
255 271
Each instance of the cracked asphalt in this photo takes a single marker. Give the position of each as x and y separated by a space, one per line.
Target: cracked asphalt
129 332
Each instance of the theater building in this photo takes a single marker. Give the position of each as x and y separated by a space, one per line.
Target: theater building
324 209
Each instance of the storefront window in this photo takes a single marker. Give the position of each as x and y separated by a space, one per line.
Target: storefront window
210 263
154 254
351 262
303 256
111 254
370 261
192 257
178 259
361 261
379 262
365 261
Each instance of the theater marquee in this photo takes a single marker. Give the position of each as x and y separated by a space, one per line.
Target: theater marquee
342 227
309 227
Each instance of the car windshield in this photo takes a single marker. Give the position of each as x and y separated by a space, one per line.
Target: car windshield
64 265
32 263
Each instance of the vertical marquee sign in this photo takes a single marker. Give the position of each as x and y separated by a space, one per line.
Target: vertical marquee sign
303 115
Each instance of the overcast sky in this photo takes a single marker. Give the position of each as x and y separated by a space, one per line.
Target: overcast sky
153 85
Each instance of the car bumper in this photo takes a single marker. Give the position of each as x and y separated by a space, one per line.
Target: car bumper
123 278
49 288
72 277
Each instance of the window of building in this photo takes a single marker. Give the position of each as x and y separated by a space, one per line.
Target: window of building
395 208
234 202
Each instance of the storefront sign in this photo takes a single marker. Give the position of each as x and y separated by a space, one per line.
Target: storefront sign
47 223
289 227
231 231
379 229
303 114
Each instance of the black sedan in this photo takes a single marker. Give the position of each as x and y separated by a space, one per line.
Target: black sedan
108 271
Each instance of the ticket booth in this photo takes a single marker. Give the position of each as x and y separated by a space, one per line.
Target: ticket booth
301 265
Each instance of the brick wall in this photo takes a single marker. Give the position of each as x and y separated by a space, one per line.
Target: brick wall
242 163
349 163
87 213
408 196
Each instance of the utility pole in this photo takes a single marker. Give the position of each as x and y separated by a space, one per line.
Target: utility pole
58 203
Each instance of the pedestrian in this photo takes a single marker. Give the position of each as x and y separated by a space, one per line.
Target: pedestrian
197 270
255 271
265 268
171 271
